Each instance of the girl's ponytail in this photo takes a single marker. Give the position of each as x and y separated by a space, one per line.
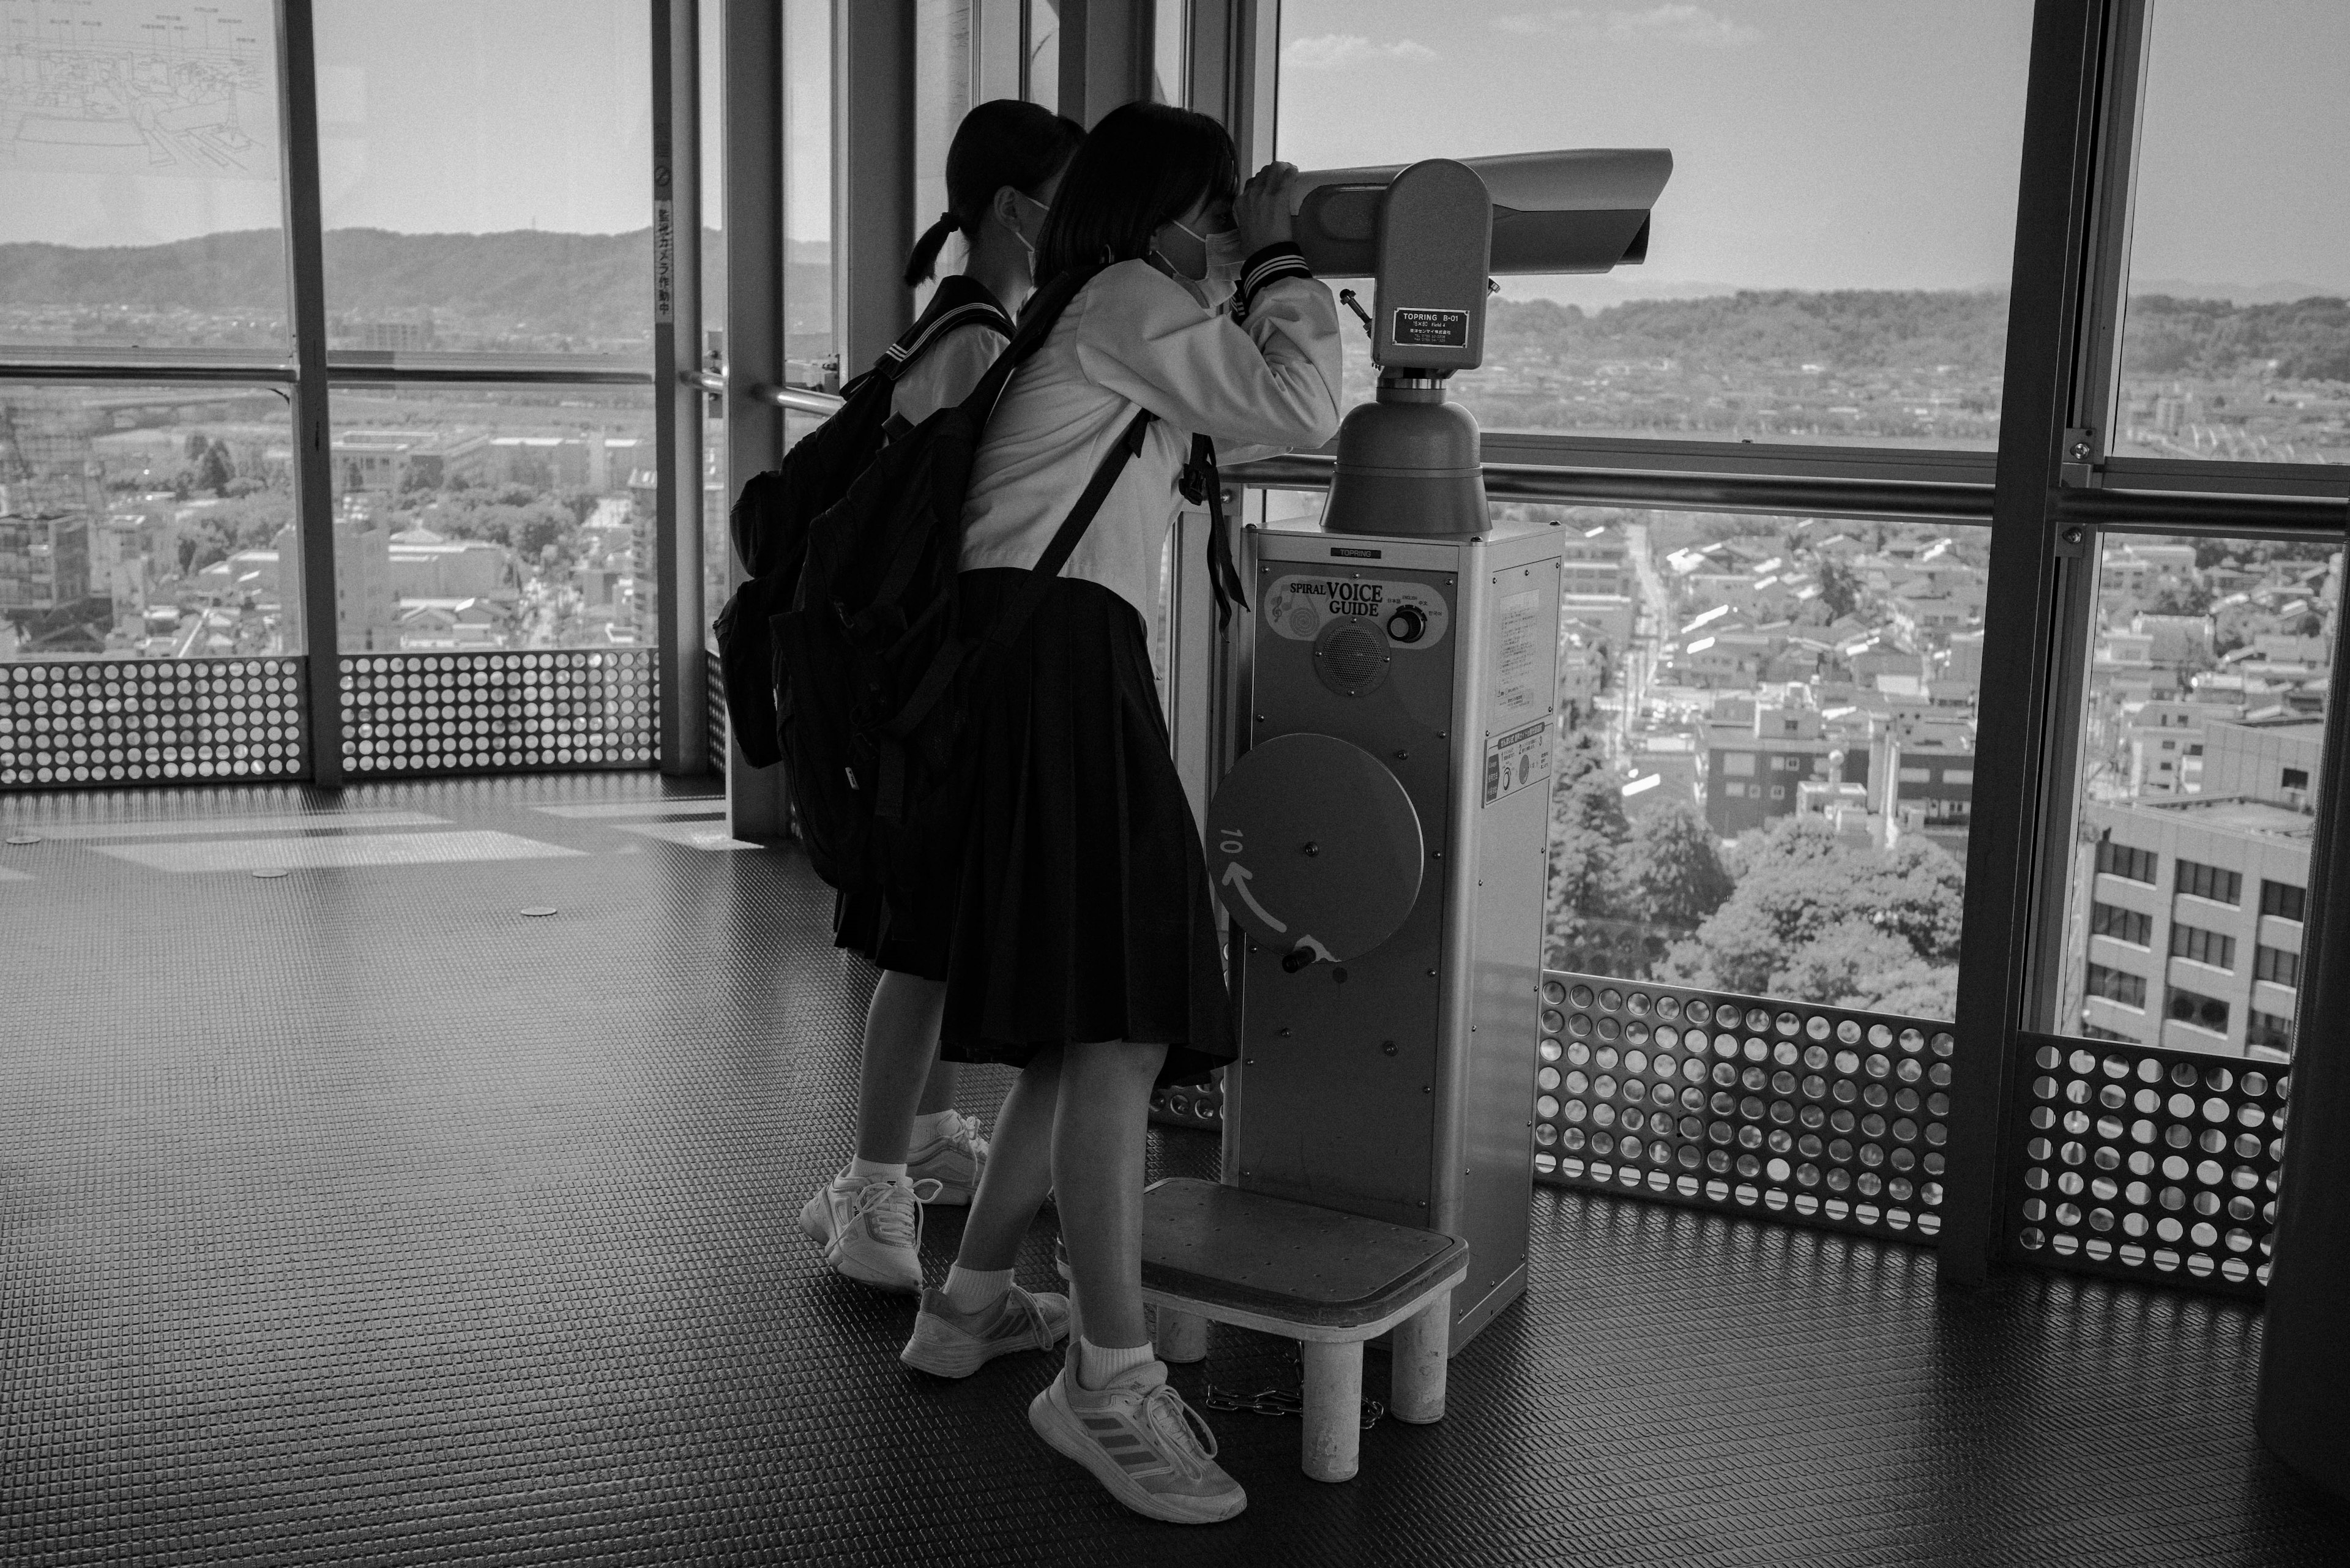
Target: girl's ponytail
924 261
999 143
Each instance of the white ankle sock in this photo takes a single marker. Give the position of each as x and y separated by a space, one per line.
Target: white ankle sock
973 1289
1098 1367
928 1129
874 1170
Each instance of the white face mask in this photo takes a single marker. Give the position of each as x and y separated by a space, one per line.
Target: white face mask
1224 257
1042 211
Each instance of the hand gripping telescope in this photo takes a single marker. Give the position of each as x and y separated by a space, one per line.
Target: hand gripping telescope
1433 234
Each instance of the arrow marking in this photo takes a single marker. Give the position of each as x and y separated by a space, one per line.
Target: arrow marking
1236 877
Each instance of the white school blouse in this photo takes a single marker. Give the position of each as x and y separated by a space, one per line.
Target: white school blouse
946 373
1134 337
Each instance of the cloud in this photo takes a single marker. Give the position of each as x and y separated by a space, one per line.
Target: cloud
1529 24
1339 51
1682 24
1670 23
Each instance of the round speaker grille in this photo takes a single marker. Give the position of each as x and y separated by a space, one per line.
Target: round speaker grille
1351 657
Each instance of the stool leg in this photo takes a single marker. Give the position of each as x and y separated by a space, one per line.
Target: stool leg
1182 1337
1334 1410
1416 1391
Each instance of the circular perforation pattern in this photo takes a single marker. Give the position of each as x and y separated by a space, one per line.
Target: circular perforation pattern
1815 1114
502 712
714 712
1190 1104
149 721
2155 1162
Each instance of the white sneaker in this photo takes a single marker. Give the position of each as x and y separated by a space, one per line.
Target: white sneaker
870 1231
949 1344
955 1159
1142 1441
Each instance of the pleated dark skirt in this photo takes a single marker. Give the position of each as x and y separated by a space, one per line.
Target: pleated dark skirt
1079 906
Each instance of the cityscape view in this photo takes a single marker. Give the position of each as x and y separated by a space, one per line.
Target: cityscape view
159 522
1767 767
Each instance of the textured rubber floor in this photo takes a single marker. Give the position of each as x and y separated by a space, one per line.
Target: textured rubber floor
352 1216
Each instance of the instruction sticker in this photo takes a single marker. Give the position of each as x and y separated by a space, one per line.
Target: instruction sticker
1521 650
1413 615
1516 760
1432 328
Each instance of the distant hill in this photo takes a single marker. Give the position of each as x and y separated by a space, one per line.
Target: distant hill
2308 338
531 283
1849 330
2283 293
528 280
1844 329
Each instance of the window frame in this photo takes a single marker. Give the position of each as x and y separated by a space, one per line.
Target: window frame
308 371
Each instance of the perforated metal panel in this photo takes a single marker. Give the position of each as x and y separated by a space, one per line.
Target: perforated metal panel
1817 1116
79 723
497 713
714 688
2147 1163
1191 1105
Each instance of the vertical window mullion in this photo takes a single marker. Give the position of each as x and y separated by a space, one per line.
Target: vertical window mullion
298 80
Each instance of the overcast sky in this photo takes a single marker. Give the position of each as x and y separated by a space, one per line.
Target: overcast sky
1818 143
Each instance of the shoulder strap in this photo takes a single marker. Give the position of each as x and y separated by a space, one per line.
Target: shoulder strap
1036 319
1013 617
1012 620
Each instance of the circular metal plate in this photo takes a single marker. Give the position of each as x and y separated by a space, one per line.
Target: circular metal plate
1316 848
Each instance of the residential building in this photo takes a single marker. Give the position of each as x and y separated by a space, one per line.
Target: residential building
2193 926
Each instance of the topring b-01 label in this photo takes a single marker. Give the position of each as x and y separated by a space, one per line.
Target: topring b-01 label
1431 329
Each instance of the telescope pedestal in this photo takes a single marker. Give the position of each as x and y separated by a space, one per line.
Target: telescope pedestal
1407 464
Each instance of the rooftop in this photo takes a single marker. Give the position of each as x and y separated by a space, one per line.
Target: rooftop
2241 813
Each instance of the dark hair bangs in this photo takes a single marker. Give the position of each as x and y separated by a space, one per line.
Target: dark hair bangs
1143 164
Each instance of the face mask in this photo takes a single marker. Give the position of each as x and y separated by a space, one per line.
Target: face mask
1222 250
1041 211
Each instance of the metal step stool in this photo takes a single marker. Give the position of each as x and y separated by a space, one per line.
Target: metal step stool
1327 1280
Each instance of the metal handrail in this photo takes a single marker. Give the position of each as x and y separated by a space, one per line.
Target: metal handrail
1774 493
797 399
1693 488
800 400
1782 494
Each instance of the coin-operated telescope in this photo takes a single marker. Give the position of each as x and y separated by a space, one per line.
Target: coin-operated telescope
1433 236
1381 842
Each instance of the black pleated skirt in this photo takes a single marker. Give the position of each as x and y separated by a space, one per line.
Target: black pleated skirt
1078 908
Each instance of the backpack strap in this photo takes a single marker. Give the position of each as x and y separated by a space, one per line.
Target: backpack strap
1035 324
959 302
1013 618
1010 621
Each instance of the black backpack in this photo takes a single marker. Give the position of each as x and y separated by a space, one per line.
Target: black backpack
770 518
872 662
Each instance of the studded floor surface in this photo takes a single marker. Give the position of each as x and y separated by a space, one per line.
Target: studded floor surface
352 1214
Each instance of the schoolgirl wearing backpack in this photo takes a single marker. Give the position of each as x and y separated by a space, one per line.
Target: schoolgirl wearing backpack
912 1144
1081 941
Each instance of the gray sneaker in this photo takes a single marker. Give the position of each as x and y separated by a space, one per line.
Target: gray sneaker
1142 1441
949 1343
870 1231
955 1159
